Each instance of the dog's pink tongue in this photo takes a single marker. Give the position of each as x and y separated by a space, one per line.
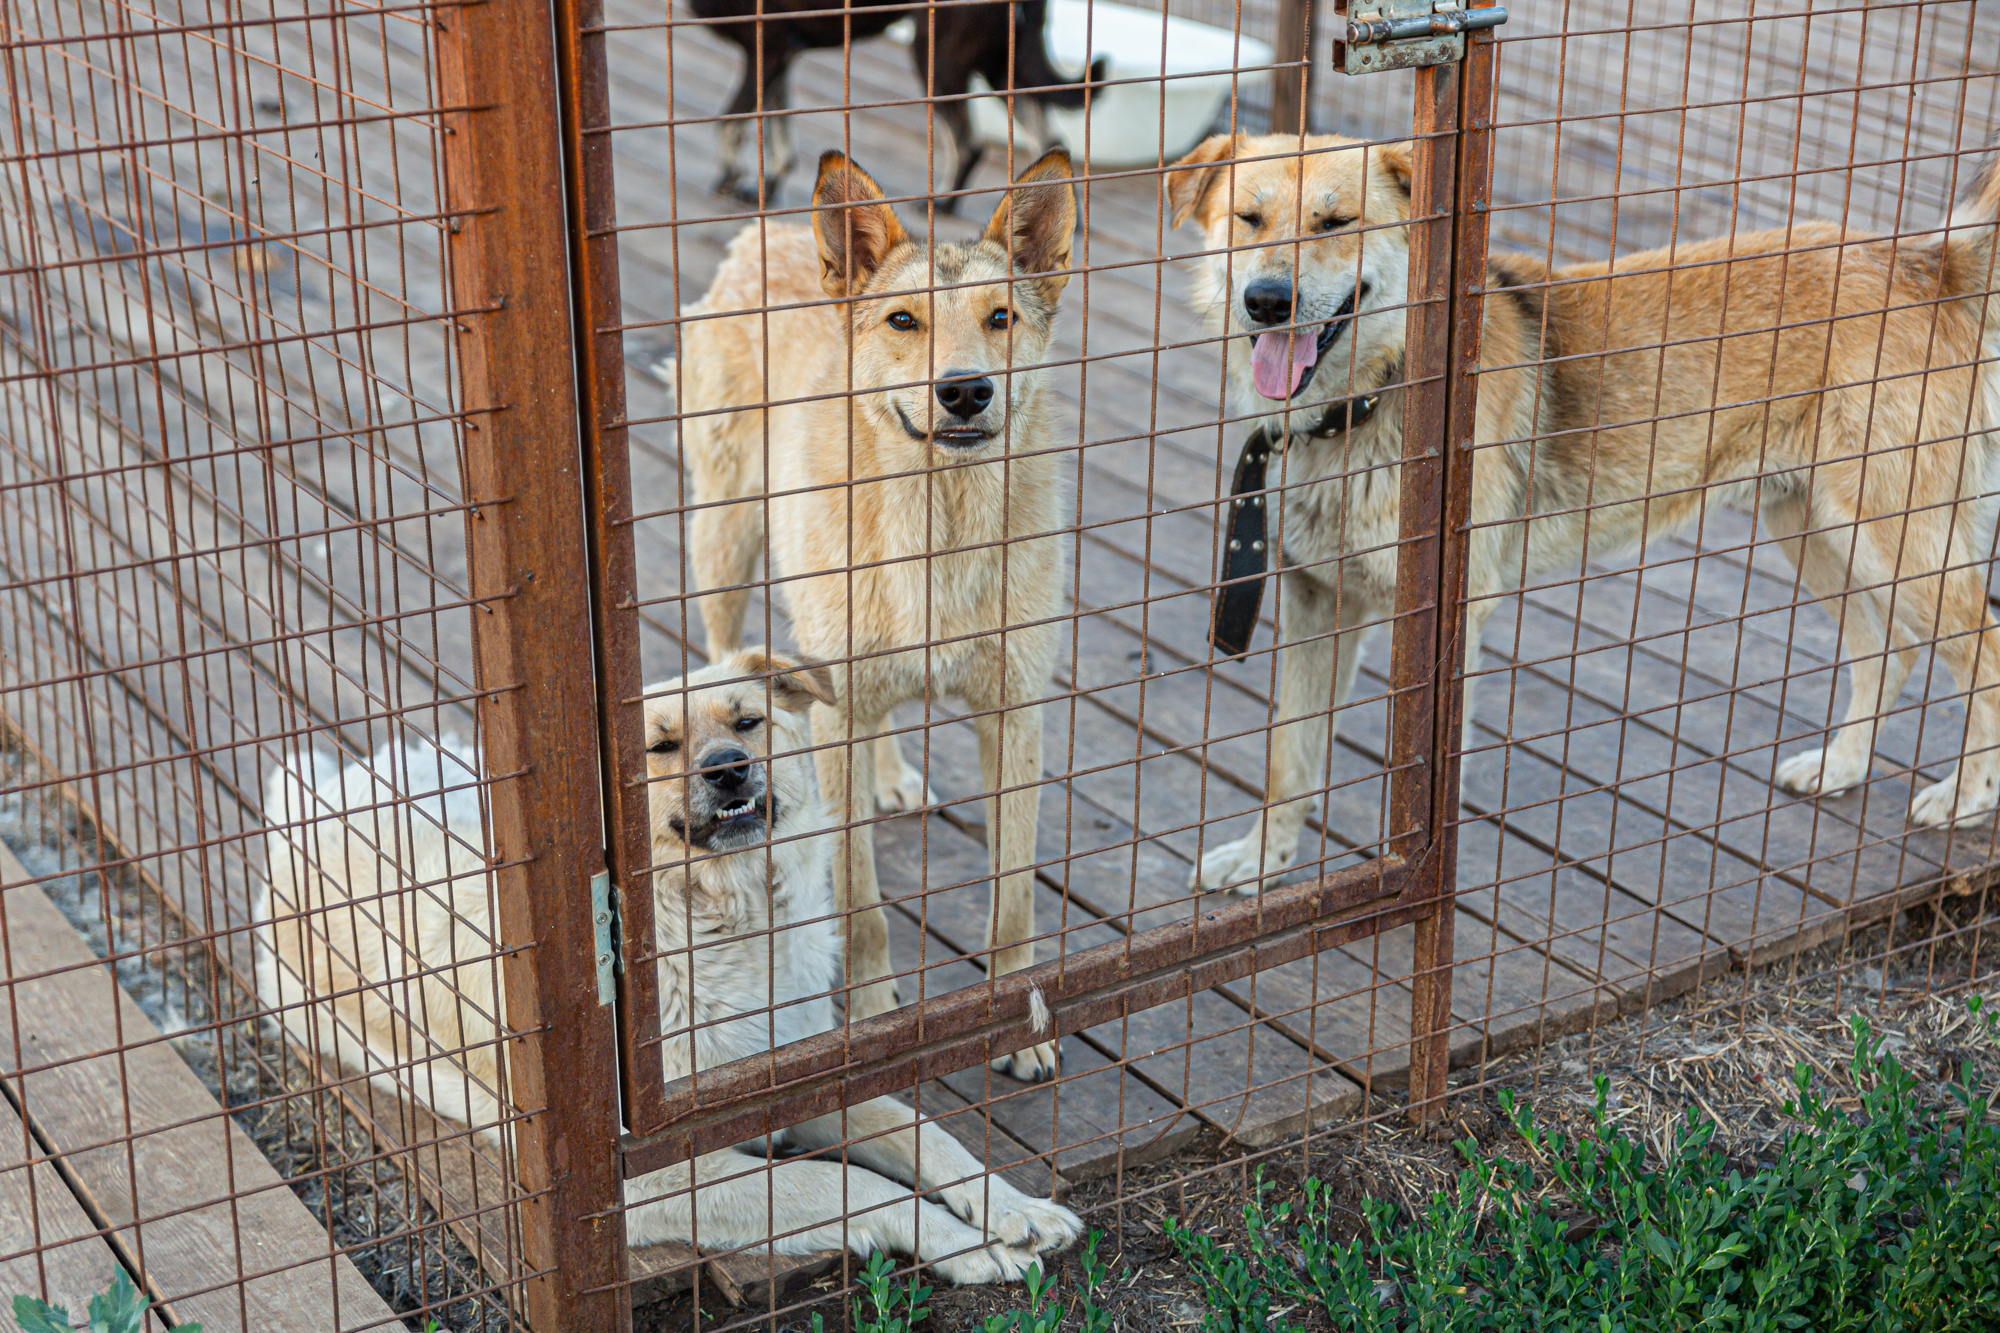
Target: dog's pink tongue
1279 361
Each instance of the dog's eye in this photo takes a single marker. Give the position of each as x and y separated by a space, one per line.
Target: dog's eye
1334 222
1251 219
1001 318
749 723
903 320
666 745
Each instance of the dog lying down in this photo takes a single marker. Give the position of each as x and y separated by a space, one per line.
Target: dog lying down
396 981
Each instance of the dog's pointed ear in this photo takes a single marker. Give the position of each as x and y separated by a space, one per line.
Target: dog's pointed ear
1036 222
795 687
856 231
1396 159
1192 180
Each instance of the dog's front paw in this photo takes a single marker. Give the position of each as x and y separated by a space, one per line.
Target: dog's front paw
1031 1065
872 998
1245 865
1819 773
1953 802
743 189
990 1263
1050 1225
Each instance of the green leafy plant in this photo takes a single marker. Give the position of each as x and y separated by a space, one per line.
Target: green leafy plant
1096 1319
1043 1315
120 1309
1883 1221
897 1305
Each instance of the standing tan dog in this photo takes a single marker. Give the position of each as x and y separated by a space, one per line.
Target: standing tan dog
1837 385
911 491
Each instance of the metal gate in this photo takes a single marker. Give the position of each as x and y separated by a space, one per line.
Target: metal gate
646 612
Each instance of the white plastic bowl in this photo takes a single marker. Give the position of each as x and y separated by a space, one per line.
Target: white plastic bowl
1125 121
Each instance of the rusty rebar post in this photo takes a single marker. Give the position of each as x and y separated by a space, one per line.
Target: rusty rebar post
1292 81
528 540
1448 187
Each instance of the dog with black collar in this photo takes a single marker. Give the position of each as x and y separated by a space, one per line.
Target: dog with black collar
1841 387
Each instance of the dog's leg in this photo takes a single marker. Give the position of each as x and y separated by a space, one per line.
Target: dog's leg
898 786
1825 561
739 173
1877 675
1967 642
967 153
724 456
730 136
1316 669
723 546
778 154
845 769
1010 762
885 1136
801 1206
736 167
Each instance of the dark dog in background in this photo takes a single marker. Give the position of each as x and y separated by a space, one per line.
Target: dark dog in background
990 40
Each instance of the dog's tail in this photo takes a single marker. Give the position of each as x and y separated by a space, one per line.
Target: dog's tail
1970 267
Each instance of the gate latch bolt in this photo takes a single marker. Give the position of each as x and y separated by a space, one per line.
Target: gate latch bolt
1380 35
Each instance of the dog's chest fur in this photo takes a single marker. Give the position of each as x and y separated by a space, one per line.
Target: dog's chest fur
765 950
1342 495
937 557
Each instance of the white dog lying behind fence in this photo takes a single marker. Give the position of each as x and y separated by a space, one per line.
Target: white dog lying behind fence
376 945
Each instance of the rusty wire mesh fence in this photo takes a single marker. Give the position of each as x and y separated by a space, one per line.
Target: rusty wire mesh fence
635 628
242 682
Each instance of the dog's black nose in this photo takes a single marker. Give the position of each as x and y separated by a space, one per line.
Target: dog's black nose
964 394
725 770
1269 301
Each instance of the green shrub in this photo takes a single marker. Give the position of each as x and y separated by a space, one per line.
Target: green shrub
1887 1221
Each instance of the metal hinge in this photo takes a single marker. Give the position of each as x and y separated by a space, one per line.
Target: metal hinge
609 936
1377 35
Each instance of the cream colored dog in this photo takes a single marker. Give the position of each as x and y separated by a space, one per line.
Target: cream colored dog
1839 386
375 942
397 980
911 488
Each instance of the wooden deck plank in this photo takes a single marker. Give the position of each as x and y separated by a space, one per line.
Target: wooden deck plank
1100 1116
38 1213
1807 839
213 1225
1202 1052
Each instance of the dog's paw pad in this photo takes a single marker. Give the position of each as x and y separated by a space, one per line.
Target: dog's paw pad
1803 774
1244 866
1944 805
1031 1065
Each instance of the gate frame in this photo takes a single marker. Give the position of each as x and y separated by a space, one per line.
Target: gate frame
506 180
1414 882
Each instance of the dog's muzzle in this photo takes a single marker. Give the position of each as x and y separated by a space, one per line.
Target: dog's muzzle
728 800
953 432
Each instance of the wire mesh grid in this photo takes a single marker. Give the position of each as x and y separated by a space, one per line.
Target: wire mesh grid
894 559
239 680
1620 843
